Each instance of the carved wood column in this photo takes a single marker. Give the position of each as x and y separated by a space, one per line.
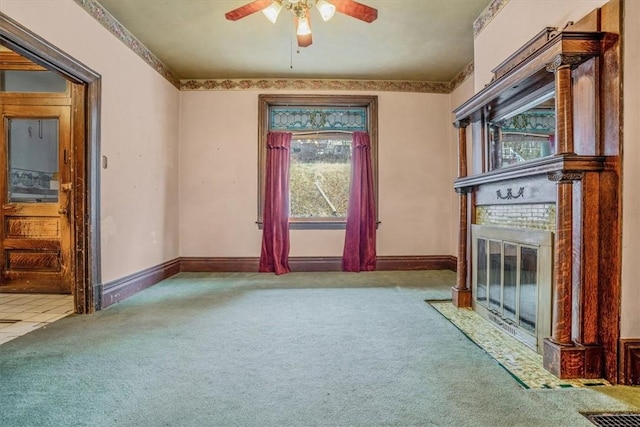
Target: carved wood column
562 66
563 259
461 293
561 355
586 259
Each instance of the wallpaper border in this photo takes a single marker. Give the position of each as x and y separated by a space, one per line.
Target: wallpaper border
100 14
487 16
315 84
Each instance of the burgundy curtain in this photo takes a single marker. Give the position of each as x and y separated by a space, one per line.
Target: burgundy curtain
275 233
360 237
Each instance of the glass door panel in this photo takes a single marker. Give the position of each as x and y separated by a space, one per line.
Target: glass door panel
33 160
495 274
528 288
510 280
481 282
30 81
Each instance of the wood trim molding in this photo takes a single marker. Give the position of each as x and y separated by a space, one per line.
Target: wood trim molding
308 264
127 286
250 264
418 262
219 264
120 289
312 264
557 168
13 61
629 369
531 74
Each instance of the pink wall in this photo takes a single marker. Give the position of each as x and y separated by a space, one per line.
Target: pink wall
415 176
218 174
218 178
140 111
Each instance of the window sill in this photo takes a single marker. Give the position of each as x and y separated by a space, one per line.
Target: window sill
317 224
297 224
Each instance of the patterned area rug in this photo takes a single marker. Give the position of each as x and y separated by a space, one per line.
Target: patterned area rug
520 361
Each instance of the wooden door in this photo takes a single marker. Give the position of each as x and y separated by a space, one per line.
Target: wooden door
36 192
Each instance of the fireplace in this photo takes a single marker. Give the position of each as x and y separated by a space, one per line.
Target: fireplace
557 289
512 273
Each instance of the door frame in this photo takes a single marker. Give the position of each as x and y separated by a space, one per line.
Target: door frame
86 181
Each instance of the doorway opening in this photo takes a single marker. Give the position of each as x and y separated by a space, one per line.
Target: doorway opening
50 201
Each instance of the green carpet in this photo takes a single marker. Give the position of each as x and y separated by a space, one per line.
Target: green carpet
303 349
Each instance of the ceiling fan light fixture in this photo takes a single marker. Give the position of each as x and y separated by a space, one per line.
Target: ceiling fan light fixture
303 27
326 9
272 11
301 11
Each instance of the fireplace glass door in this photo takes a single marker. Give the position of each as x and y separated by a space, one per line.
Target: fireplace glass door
528 284
511 278
512 281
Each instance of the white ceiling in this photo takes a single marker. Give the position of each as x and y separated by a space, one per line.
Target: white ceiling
421 40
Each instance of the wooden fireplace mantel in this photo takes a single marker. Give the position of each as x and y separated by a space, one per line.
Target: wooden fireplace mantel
533 71
563 163
577 70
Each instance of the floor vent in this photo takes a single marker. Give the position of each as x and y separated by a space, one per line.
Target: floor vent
614 420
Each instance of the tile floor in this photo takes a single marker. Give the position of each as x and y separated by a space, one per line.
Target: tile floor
524 364
23 313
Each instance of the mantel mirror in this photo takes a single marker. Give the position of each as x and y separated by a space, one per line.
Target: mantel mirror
527 133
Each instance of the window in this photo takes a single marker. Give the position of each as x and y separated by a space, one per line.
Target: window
319 176
320 152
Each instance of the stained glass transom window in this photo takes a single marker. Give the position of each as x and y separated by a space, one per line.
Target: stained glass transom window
537 122
326 119
525 135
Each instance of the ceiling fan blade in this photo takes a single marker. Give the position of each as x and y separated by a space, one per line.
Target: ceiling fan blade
247 9
304 40
355 10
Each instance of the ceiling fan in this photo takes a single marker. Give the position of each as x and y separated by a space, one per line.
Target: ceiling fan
301 13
